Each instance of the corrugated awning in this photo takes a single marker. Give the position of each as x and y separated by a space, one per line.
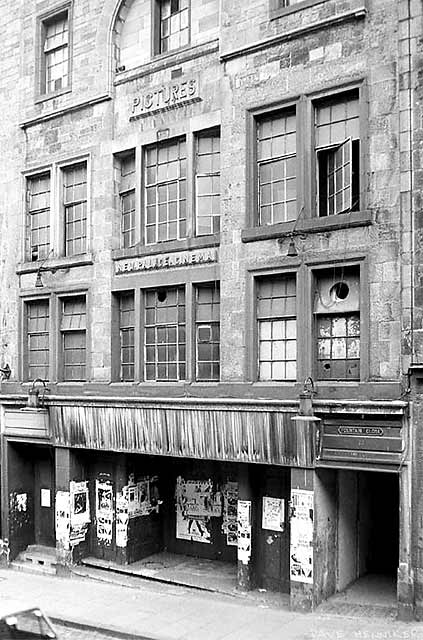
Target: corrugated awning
268 437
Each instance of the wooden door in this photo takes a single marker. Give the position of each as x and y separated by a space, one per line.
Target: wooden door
273 544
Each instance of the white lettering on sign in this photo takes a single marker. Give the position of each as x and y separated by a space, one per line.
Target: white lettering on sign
360 431
166 261
164 98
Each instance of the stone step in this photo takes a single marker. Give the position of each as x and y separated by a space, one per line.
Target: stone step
30 567
42 550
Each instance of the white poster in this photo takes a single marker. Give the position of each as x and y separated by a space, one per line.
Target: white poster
301 550
79 512
104 511
63 518
273 515
45 498
122 520
244 531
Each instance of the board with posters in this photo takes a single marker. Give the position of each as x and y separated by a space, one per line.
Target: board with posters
301 550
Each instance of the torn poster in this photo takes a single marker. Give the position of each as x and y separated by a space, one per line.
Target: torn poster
63 519
122 519
244 531
142 496
194 507
301 550
230 502
104 511
21 502
80 512
273 514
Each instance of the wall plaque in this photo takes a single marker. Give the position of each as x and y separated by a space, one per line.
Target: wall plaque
167 261
168 96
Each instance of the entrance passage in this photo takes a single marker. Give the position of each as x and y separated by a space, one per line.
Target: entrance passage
368 526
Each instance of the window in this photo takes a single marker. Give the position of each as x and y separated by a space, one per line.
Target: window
337 321
276 170
291 180
337 154
73 338
207 183
174 24
126 336
282 7
37 340
165 191
277 328
127 199
75 208
55 53
164 329
38 217
208 332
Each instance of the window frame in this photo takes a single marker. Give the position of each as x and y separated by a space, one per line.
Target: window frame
204 133
29 252
196 325
274 275
360 265
60 335
25 360
55 365
275 11
156 31
60 232
41 92
307 205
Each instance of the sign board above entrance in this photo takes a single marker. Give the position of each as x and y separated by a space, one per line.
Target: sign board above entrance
167 261
165 97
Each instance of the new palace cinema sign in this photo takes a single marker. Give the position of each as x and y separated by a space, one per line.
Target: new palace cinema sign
167 261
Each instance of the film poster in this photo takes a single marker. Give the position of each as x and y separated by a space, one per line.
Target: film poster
195 505
63 518
104 511
230 512
273 514
244 531
122 520
79 512
301 551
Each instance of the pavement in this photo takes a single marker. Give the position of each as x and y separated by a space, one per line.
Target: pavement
127 607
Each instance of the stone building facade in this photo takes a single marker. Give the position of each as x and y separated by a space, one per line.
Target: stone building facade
210 286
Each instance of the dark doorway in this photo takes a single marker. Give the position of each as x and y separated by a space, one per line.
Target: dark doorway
383 491
44 498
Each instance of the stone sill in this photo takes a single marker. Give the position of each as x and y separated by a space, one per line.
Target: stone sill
71 108
164 61
312 225
200 242
55 264
300 32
